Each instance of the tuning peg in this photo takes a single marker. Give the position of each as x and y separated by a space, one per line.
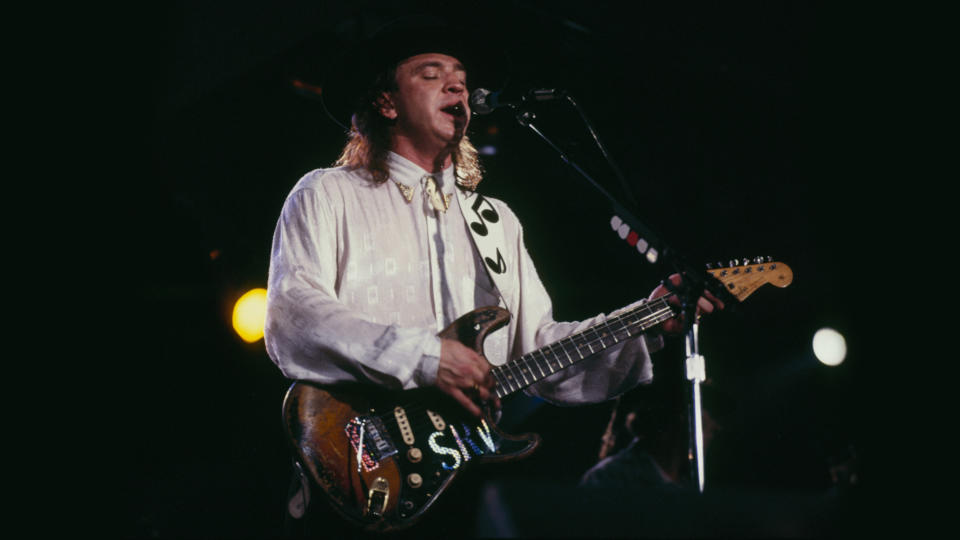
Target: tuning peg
734 262
769 258
709 266
757 260
745 261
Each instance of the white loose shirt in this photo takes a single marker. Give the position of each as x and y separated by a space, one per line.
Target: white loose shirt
361 281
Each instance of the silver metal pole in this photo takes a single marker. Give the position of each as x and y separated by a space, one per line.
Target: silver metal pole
696 374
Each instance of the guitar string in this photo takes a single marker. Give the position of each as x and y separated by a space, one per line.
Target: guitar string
656 316
598 341
415 413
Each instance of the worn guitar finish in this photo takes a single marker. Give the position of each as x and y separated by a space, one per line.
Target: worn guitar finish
382 458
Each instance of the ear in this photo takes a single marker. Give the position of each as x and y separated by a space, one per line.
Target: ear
386 107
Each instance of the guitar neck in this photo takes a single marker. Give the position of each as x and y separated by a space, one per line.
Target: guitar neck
532 367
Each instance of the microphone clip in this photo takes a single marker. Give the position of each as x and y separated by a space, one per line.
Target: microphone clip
483 101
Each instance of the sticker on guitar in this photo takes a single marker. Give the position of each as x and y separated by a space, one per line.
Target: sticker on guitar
370 443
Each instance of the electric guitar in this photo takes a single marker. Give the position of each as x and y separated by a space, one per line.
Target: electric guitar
382 458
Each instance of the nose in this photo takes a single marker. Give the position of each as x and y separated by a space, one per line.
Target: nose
454 84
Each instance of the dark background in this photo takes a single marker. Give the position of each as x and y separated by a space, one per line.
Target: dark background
729 120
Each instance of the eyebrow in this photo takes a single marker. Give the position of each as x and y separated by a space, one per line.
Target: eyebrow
437 64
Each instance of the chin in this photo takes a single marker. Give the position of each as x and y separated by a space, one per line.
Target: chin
452 134
451 139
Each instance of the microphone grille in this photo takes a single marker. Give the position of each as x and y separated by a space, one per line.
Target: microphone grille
478 101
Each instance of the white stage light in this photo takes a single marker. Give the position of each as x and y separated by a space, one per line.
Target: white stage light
829 346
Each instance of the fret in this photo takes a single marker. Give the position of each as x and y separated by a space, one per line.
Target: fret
530 360
557 356
523 371
544 358
576 347
573 340
513 377
600 338
626 323
536 363
507 377
494 371
550 365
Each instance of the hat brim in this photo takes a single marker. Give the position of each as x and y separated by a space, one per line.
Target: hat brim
349 77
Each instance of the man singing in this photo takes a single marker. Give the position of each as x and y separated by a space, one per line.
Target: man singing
375 256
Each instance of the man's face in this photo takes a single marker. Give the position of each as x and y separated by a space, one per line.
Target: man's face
431 104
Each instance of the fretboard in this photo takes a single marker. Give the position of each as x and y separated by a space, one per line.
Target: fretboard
521 372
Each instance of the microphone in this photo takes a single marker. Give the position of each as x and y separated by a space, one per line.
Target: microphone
483 101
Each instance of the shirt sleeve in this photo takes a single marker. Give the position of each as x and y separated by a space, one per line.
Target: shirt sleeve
308 332
592 380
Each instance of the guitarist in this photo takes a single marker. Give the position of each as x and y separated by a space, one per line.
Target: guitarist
373 257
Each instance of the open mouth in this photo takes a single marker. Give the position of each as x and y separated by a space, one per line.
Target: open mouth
456 110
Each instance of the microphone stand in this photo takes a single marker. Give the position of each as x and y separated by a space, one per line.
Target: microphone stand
695 281
696 373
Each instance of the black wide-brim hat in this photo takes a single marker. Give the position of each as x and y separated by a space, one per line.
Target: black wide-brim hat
350 75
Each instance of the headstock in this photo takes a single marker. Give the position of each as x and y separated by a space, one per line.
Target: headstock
742 277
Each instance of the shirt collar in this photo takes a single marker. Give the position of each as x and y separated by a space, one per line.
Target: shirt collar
410 174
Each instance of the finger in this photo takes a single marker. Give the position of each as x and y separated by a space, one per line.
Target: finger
466 402
470 374
483 388
479 378
714 299
704 305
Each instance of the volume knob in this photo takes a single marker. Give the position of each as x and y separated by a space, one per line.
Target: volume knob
414 480
414 455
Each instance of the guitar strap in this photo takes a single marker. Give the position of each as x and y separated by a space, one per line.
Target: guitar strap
486 228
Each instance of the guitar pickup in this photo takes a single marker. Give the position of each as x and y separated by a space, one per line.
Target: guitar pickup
370 441
404 424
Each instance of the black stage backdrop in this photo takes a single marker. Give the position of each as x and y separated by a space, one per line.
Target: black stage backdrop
730 125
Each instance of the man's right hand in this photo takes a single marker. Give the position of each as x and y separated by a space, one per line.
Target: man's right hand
465 375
